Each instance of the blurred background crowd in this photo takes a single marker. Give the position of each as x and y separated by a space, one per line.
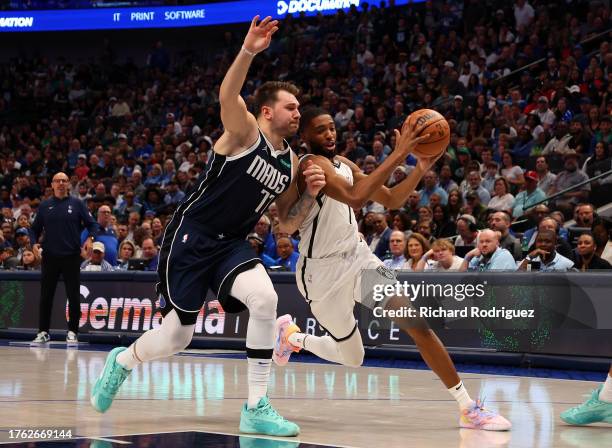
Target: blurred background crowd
525 87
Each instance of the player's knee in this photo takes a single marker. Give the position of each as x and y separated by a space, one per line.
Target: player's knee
262 303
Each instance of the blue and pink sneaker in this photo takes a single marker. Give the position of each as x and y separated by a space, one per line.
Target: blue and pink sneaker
282 347
477 417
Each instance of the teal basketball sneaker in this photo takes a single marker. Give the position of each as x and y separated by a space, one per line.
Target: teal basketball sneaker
591 411
264 419
107 384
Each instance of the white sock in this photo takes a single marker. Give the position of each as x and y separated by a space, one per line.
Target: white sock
297 339
258 375
606 392
459 393
127 359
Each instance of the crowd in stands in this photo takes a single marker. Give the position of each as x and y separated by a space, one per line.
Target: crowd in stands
525 86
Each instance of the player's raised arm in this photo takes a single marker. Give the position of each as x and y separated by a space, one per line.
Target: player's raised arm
236 119
395 197
357 194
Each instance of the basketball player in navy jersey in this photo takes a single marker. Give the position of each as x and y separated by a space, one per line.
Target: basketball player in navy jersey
204 245
333 258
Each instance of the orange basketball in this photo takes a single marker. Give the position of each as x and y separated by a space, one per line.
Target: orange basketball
434 124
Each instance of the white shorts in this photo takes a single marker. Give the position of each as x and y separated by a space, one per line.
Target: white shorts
333 285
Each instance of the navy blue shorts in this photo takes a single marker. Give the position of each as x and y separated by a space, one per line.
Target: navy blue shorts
191 263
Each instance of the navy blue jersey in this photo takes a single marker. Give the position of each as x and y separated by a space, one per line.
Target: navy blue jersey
234 191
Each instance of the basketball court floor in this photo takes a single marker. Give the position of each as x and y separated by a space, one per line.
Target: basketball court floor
194 399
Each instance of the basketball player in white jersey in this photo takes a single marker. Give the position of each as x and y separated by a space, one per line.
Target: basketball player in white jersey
333 256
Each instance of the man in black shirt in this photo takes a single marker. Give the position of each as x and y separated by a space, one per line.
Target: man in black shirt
62 218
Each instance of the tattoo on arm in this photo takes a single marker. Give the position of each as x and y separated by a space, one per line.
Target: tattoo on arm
300 209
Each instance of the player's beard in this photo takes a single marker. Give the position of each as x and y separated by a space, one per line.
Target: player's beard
320 150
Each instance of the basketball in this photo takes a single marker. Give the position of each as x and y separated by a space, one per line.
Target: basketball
432 123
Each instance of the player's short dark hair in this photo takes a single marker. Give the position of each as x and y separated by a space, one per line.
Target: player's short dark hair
267 93
310 114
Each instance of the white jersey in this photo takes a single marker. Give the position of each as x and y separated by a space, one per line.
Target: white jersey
330 229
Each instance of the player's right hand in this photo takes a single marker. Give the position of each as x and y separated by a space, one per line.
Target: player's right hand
409 138
314 176
259 36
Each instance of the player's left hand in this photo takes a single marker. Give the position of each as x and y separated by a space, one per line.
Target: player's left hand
314 176
259 36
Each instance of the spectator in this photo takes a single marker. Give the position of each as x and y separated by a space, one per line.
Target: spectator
402 222
379 240
529 196
512 172
440 258
343 116
128 206
500 222
490 176
581 140
257 244
524 144
96 262
412 206
425 227
559 144
599 163
476 209
262 228
444 227
467 231
545 257
446 181
8 260
601 234
150 254
287 257
106 234
455 204
502 199
546 179
567 178
584 215
22 241
173 194
587 259
127 251
523 15
397 247
430 186
133 222
488 256
546 116
415 249
62 219
157 231
474 186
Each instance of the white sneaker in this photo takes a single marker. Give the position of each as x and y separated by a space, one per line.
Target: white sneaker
41 338
71 338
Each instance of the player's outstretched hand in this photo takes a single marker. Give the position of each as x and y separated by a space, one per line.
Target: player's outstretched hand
409 138
259 36
314 177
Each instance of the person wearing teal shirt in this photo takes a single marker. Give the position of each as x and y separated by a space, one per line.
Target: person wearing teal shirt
529 196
